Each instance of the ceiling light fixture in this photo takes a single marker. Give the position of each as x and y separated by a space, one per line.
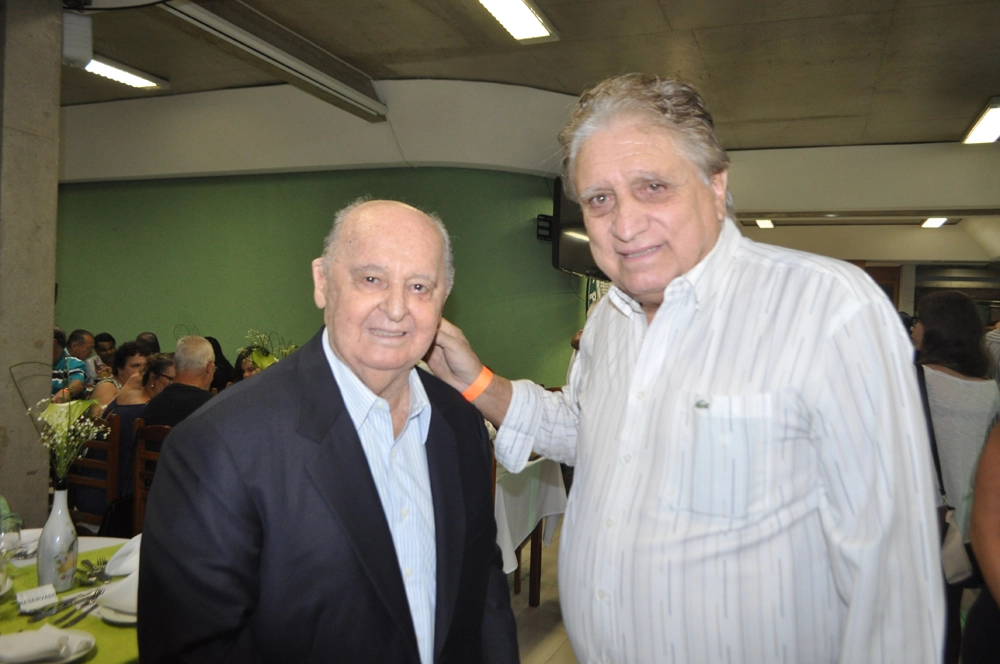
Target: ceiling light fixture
765 223
987 127
116 71
274 56
522 19
934 222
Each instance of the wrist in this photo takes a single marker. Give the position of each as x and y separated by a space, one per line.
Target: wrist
479 385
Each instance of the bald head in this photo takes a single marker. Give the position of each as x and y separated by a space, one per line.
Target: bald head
367 212
382 283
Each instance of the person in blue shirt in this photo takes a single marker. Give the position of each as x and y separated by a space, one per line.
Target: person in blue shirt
68 373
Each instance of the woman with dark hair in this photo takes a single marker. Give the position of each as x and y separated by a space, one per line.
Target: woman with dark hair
964 403
130 360
223 369
159 373
245 366
156 374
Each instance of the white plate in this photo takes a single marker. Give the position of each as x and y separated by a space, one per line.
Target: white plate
115 617
7 586
79 655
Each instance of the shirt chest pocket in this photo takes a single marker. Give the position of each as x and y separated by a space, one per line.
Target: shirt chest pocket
722 464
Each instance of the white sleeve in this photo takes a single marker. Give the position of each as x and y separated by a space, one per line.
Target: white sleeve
541 421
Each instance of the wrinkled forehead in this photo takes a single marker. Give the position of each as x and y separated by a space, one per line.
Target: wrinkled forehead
389 231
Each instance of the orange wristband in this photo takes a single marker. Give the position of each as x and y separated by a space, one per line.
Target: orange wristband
479 385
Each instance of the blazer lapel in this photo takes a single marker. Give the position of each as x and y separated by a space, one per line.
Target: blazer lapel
449 520
341 475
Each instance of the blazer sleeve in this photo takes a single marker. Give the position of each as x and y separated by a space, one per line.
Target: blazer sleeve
499 626
199 560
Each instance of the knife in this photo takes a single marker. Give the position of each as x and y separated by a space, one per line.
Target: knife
64 604
83 614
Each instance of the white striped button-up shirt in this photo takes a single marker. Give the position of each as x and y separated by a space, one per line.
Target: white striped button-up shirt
753 479
399 468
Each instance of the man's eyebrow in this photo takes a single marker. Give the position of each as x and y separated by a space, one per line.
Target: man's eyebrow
367 267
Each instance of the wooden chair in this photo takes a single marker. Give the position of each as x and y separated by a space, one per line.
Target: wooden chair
148 440
102 473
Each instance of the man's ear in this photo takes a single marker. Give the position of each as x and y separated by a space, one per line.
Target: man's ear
319 283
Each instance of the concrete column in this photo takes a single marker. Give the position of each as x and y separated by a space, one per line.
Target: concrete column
30 61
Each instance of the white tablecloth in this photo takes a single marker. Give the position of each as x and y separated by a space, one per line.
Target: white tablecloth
525 499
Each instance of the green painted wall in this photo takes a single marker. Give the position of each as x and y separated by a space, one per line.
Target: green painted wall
219 256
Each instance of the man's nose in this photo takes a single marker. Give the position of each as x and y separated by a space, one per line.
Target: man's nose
394 304
630 219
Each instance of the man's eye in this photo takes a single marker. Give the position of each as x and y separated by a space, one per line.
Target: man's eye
370 280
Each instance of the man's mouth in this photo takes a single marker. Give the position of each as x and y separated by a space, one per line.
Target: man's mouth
387 333
638 254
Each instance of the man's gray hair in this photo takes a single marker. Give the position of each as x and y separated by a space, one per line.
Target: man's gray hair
669 104
333 238
193 353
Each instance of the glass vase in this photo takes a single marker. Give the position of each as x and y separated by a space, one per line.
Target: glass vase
58 545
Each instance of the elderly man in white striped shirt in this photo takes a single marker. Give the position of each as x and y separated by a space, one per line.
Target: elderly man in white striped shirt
760 497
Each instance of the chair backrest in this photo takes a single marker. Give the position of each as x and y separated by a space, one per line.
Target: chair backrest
148 440
98 469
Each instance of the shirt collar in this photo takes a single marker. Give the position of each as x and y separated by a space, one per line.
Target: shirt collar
703 279
359 400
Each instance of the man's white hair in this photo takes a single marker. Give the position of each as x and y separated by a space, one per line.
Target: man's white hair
193 353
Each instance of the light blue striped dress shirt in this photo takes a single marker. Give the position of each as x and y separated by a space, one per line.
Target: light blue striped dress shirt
399 468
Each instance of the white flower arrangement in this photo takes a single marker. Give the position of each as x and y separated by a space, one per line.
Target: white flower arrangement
63 429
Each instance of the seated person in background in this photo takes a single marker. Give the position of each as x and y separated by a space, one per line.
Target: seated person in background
68 373
194 367
245 366
149 340
100 364
80 344
223 369
130 360
157 375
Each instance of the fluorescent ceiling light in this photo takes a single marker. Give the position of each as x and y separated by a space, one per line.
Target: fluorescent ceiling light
764 223
269 53
987 127
934 222
576 235
521 19
116 71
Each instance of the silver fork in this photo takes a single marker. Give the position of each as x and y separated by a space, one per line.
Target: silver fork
78 613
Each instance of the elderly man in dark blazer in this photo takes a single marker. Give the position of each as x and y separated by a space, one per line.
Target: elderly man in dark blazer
337 507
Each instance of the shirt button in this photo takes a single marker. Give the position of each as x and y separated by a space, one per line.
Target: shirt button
403 513
408 573
640 395
601 594
628 458
392 455
611 523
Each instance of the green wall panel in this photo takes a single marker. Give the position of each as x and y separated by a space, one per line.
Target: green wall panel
219 256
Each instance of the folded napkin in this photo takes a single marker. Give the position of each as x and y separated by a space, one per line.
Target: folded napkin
122 595
44 644
126 559
30 536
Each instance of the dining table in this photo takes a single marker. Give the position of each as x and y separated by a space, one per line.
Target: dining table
114 644
528 503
